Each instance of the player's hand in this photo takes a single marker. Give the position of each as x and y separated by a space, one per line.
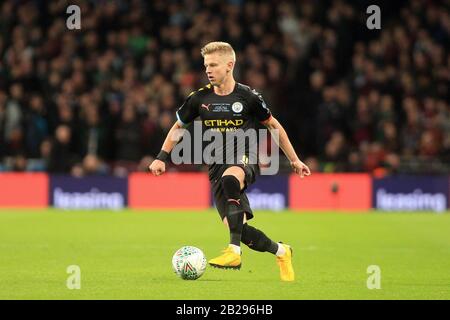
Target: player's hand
157 167
300 168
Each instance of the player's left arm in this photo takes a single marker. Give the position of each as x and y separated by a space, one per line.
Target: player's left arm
285 144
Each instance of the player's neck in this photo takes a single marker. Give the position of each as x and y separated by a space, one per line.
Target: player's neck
226 87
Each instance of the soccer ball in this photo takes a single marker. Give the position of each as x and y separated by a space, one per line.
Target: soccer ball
189 263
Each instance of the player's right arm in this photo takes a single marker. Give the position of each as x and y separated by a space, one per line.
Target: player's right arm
158 166
185 114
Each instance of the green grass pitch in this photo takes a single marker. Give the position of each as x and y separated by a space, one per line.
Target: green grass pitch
127 255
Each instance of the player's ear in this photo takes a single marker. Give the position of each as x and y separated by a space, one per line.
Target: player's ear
230 66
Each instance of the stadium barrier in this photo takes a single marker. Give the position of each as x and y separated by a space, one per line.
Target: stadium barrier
269 193
171 191
349 192
97 192
330 192
408 193
25 190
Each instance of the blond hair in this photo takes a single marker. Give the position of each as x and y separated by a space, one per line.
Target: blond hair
218 46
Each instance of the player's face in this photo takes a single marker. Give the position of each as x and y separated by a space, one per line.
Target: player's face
217 67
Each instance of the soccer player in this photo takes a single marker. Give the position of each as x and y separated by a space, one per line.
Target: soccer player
225 105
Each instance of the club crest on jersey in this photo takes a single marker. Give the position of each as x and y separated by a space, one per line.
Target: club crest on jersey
237 107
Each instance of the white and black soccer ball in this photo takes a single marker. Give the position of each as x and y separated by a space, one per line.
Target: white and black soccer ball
189 263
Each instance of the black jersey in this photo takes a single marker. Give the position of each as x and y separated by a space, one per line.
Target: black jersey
242 109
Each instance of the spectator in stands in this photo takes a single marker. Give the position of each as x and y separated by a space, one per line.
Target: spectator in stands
112 83
62 157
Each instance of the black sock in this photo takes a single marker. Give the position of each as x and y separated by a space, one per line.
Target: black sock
235 214
235 222
256 240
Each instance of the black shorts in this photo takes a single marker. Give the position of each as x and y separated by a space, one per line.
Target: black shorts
215 175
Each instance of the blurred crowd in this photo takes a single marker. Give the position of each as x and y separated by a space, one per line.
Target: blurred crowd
101 100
